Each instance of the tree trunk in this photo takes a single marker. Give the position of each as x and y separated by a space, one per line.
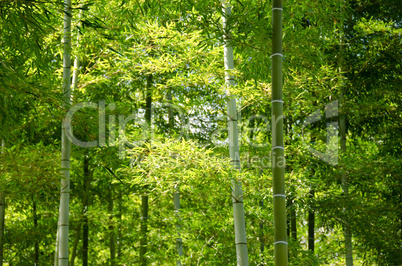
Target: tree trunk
278 159
311 222
63 225
237 193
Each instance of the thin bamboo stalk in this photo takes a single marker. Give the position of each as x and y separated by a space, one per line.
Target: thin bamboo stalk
2 219
237 193
311 221
343 131
76 61
112 234
179 243
73 87
85 206
63 225
144 198
2 214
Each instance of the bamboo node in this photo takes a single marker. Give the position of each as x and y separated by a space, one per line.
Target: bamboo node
276 54
278 147
281 242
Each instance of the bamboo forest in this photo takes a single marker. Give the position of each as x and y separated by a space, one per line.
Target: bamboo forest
200 132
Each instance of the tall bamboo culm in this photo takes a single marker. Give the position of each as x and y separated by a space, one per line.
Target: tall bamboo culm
237 193
144 198
2 214
63 223
2 219
343 132
176 194
278 151
74 86
179 242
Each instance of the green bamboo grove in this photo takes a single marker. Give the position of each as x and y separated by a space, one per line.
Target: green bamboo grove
200 132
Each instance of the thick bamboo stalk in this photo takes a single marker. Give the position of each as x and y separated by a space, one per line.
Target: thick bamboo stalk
63 225
237 193
278 159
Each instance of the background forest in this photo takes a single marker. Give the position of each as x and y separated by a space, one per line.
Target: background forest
151 176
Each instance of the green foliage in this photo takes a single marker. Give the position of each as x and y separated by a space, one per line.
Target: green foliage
179 43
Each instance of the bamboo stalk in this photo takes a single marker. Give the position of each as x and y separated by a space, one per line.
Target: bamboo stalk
237 193
144 198
278 159
343 131
311 221
179 243
2 214
74 86
63 225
